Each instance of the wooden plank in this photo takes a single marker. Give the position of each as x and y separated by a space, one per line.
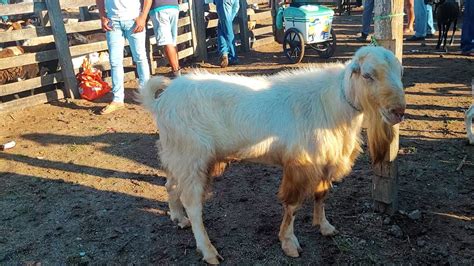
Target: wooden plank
62 48
184 21
88 48
104 66
212 23
185 53
257 2
29 84
261 31
26 59
264 41
83 26
127 77
188 36
244 26
33 100
22 8
76 3
388 33
200 29
258 16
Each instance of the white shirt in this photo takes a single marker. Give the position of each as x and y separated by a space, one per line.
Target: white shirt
122 9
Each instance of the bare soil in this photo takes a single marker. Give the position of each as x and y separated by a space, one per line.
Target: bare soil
82 188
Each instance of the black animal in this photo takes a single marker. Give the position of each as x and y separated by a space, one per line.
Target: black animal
447 13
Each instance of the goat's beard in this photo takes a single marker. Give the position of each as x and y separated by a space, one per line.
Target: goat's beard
379 136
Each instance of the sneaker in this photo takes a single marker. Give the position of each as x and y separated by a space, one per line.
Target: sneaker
234 62
363 38
468 52
112 107
414 39
176 73
224 61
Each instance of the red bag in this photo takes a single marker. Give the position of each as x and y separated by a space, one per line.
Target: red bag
91 85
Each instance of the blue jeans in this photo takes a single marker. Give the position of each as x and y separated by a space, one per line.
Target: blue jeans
467 32
115 42
226 11
367 16
423 19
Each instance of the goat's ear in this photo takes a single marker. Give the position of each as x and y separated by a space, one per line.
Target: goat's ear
355 67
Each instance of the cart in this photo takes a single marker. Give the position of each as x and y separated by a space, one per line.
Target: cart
304 23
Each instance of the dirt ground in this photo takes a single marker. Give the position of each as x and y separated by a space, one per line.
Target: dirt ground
82 188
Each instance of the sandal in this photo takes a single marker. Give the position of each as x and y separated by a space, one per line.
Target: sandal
112 107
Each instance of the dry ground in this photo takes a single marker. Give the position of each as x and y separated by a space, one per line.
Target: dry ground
83 188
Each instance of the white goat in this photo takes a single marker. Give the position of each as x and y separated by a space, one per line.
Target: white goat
308 121
468 121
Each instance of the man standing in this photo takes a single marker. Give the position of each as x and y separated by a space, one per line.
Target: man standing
226 11
367 16
124 19
165 14
424 27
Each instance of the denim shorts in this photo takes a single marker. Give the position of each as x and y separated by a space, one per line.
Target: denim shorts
165 25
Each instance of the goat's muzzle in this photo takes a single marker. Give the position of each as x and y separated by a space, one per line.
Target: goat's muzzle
394 115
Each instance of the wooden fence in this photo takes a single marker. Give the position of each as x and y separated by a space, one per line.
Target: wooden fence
193 42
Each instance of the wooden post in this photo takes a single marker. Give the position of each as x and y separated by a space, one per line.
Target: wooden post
62 48
244 27
198 28
388 23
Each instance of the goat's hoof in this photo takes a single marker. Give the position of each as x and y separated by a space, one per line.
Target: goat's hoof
181 220
291 247
328 230
211 256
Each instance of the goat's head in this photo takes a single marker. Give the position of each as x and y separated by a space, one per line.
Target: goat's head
377 86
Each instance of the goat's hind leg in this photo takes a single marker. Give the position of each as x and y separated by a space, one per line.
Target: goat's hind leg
319 215
176 213
455 22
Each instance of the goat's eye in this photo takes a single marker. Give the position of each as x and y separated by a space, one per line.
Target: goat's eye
367 76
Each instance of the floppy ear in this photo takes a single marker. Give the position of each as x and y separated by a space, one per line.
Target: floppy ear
355 67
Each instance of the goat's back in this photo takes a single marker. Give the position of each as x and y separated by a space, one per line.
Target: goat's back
447 11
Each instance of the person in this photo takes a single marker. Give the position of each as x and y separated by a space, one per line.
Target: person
226 12
124 19
410 11
164 15
467 31
367 17
423 21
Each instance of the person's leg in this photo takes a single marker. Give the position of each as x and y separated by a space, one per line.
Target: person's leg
222 47
367 16
138 49
430 29
115 43
467 32
165 26
410 10
232 49
420 18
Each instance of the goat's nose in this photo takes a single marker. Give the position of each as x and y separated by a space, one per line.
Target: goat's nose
400 111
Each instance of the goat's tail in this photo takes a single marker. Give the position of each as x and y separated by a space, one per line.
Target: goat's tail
147 95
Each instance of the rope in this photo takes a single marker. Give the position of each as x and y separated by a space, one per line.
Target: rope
389 16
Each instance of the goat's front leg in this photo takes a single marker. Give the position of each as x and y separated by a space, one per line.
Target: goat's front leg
319 215
192 199
289 242
468 122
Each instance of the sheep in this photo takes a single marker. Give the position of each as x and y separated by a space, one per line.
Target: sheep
14 74
447 13
308 121
468 121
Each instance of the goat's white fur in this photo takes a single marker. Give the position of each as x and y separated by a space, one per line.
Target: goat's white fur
299 119
468 121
